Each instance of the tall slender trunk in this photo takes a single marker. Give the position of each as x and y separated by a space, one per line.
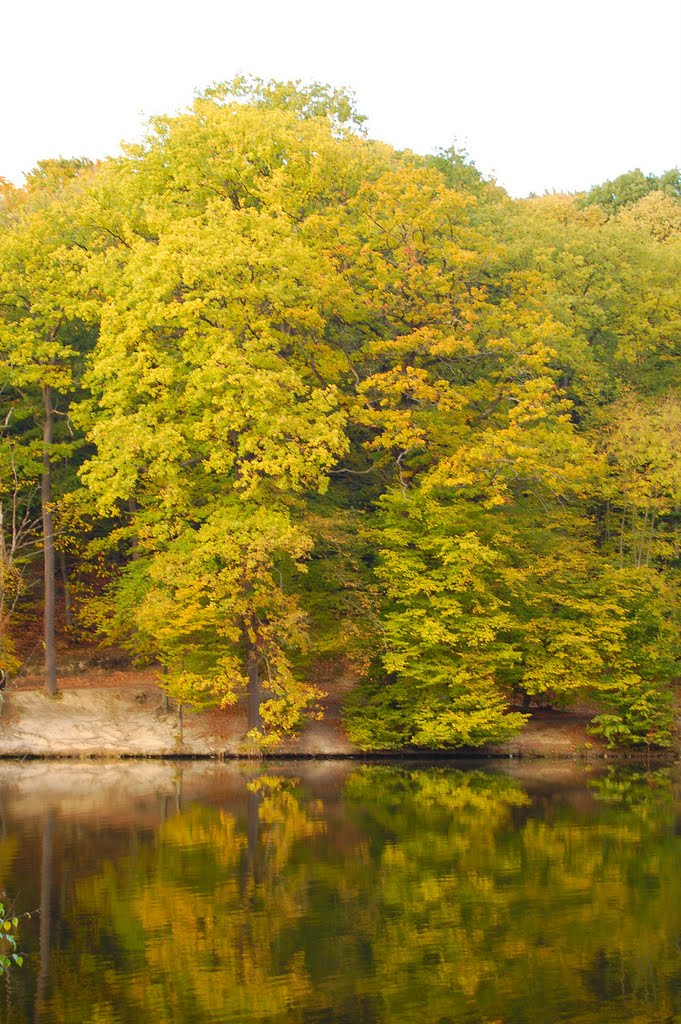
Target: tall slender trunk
254 681
48 545
254 693
622 525
651 537
641 543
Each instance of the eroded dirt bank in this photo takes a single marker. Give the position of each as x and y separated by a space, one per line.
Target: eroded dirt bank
121 714
131 721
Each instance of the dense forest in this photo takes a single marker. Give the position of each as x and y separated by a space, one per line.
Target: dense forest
279 401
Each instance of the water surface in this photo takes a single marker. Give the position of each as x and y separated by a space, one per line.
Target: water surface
338 893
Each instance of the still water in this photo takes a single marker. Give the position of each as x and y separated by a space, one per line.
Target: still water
339 893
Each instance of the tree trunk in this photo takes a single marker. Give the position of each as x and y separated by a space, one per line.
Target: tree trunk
254 694
254 683
48 546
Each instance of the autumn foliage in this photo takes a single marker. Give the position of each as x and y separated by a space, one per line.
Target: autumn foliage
299 396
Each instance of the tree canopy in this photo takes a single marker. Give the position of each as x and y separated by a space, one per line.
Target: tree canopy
291 395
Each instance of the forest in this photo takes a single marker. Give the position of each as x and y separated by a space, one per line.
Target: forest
280 402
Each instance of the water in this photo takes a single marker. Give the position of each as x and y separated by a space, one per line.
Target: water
338 893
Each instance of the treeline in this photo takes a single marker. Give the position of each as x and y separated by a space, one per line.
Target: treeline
276 397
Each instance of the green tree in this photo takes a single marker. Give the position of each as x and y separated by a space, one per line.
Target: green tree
43 335
630 188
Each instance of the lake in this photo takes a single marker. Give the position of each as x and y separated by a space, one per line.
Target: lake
337 892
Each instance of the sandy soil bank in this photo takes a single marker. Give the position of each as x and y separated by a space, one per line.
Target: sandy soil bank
130 721
114 714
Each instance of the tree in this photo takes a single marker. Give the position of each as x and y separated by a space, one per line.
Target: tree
206 362
42 338
444 645
642 446
212 607
19 540
632 187
347 404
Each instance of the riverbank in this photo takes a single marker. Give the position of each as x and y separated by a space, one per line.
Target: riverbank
115 714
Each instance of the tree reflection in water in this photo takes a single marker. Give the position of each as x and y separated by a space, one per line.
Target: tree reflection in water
408 895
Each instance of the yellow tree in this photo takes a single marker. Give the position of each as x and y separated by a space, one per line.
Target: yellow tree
207 365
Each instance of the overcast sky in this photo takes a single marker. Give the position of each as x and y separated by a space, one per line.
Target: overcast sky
546 95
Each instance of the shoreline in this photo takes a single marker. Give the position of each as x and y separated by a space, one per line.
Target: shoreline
124 723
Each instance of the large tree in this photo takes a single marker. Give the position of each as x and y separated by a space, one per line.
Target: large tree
209 366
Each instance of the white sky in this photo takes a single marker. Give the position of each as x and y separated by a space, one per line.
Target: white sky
547 95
